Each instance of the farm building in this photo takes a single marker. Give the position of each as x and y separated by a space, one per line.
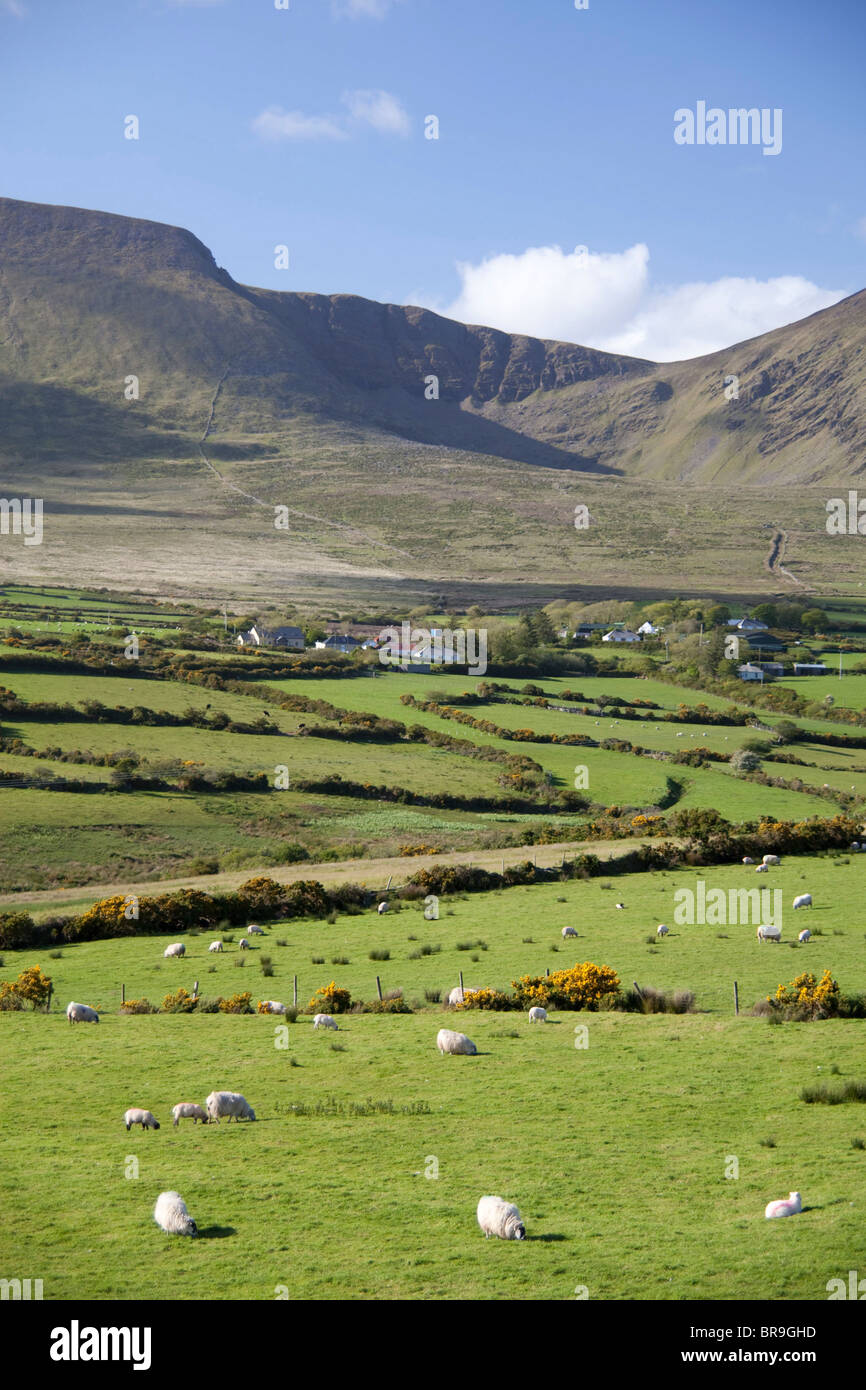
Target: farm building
292 638
809 668
749 672
620 634
339 642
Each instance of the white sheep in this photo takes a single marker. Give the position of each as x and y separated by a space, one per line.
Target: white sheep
171 1214
215 946
537 1014
785 1206
243 944
619 905
569 931
805 935
273 1006
383 907
185 1110
804 900
769 933
457 994
662 930
747 860
81 1013
762 869
229 1103
178 949
499 1218
255 930
324 1021
456 1043
771 859
140 1117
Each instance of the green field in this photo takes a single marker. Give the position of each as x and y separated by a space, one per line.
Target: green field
615 1152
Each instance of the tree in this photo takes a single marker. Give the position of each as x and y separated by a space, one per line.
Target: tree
743 760
814 620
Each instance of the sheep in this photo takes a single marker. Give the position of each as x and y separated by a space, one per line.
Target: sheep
140 1117
457 994
662 930
785 1206
805 935
804 900
769 933
171 1214
499 1218
185 1110
255 930
324 1021
81 1013
747 860
273 1006
178 949
569 931
762 869
456 1043
537 1014
383 907
771 859
619 905
229 1103
243 944
215 946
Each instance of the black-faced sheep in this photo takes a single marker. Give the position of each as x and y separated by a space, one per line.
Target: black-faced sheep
499 1218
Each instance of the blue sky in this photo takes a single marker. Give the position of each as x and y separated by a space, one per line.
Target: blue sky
305 127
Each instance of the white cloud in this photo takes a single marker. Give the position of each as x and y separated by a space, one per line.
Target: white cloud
364 9
378 110
607 301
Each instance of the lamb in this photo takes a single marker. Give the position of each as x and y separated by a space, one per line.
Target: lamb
81 1013
255 930
762 869
171 1214
769 933
498 1218
215 946
243 944
383 907
140 1117
273 1006
456 1043
747 860
178 949
229 1103
569 931
804 900
662 930
771 859
785 1206
187 1111
324 1021
805 935
537 1014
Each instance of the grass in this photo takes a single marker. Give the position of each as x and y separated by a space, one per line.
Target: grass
834 1095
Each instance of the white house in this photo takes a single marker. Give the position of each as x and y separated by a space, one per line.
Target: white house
291 638
339 642
647 629
620 634
748 672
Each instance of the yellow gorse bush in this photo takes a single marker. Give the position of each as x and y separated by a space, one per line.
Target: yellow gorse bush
331 999
804 992
583 986
237 1004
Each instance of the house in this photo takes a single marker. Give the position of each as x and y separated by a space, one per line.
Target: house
369 635
750 672
748 624
771 668
289 638
584 631
620 634
647 629
766 642
339 642
809 668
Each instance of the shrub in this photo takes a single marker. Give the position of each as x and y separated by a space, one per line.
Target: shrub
330 999
317 960
267 970
805 998
823 1094
138 1006
181 1002
433 996
488 999
10 1000
380 955
581 987
657 1001
208 1006
17 931
340 960
237 1004
396 1004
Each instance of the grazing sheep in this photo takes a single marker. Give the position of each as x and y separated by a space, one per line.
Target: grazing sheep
243 944
324 1021
804 900
498 1218
187 1111
228 1103
662 930
171 1214
569 931
786 1206
456 995
273 1006
255 930
383 907
762 869
771 859
456 1043
805 935
537 1014
215 946
620 905
747 860
178 949
769 933
140 1117
81 1013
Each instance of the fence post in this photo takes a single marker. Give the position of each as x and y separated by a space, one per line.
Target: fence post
123 994
378 987
736 999
48 1005
195 989
638 988
460 976
547 970
295 991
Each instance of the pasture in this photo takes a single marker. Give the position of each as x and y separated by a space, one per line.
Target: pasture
616 1152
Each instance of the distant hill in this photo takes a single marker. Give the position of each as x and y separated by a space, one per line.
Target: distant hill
252 397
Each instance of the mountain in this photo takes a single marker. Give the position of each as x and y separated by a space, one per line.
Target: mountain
249 399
